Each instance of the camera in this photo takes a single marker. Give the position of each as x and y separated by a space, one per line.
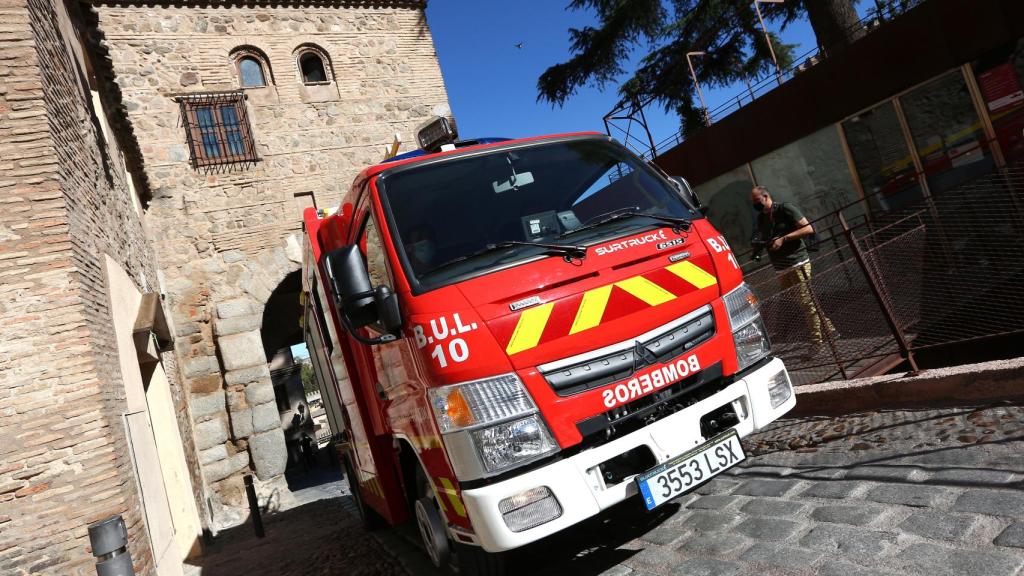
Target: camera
759 246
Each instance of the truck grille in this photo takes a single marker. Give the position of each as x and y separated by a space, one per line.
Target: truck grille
651 408
597 372
647 410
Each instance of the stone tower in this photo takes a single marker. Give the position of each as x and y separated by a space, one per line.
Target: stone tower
245 113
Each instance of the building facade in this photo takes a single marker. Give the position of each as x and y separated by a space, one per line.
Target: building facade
74 264
155 159
917 106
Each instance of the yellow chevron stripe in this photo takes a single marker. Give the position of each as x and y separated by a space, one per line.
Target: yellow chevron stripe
645 290
693 274
591 309
531 325
440 501
453 497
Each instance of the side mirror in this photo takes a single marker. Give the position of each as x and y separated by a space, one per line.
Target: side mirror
687 193
388 312
351 285
360 303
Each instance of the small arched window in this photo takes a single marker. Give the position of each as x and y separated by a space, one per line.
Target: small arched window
250 73
312 67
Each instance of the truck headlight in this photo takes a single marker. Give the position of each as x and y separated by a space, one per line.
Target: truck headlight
480 402
490 425
748 331
504 446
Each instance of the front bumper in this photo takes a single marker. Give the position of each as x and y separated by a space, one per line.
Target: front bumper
579 487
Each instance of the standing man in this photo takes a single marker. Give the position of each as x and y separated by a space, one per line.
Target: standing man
781 228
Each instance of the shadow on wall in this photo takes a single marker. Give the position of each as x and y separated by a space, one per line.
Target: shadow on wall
729 210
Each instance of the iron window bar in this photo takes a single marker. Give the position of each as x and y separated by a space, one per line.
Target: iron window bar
217 128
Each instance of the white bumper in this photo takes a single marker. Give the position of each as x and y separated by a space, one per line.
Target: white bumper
578 485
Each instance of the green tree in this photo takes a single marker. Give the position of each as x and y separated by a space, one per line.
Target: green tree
727 30
309 384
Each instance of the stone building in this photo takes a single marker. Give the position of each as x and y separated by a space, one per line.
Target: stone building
155 158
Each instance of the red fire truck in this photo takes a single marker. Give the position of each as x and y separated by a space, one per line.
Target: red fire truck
512 336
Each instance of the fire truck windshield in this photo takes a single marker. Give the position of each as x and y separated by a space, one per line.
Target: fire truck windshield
464 216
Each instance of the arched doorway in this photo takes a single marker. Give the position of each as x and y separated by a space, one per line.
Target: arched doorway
281 331
282 315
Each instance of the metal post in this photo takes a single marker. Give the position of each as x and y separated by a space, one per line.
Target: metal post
922 178
254 507
876 290
981 109
908 137
643 122
109 541
767 38
696 84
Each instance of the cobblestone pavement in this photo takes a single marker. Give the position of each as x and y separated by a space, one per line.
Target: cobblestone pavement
319 537
936 492
929 492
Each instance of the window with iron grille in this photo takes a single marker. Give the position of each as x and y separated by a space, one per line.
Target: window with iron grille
217 129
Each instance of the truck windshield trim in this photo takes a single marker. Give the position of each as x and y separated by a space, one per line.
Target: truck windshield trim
448 210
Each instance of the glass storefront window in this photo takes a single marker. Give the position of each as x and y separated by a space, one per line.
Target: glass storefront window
882 158
999 80
946 131
811 173
727 199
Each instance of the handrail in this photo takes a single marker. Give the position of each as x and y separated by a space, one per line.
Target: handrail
876 17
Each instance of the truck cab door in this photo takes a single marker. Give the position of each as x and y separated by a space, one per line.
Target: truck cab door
375 454
372 372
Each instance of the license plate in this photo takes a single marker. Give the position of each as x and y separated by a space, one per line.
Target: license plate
687 471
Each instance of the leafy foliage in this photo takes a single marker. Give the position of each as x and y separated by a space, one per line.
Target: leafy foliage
309 384
728 31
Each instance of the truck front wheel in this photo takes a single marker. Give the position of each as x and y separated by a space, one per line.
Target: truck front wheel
431 523
432 531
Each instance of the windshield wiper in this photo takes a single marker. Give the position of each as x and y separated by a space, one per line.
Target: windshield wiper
568 251
678 224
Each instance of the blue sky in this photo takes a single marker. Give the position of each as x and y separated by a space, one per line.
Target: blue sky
492 85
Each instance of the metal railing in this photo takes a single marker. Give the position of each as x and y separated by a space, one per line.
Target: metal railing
883 11
945 270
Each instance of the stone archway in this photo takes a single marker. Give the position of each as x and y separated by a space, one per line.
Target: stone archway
236 419
282 329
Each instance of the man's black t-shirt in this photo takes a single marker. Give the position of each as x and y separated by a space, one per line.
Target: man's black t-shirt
781 220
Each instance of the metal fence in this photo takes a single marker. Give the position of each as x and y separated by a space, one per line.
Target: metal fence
947 270
876 16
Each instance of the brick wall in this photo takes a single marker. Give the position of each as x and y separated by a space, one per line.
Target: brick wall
64 202
227 237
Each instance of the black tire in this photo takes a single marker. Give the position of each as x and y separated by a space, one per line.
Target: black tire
475 561
369 518
431 522
433 533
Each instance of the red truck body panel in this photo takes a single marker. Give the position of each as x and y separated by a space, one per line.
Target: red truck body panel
469 330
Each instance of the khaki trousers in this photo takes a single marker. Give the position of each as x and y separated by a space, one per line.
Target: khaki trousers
800 277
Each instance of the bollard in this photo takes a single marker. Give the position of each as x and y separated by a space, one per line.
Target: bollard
109 541
254 506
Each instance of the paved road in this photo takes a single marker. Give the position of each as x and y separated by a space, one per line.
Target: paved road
320 536
932 492
928 492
